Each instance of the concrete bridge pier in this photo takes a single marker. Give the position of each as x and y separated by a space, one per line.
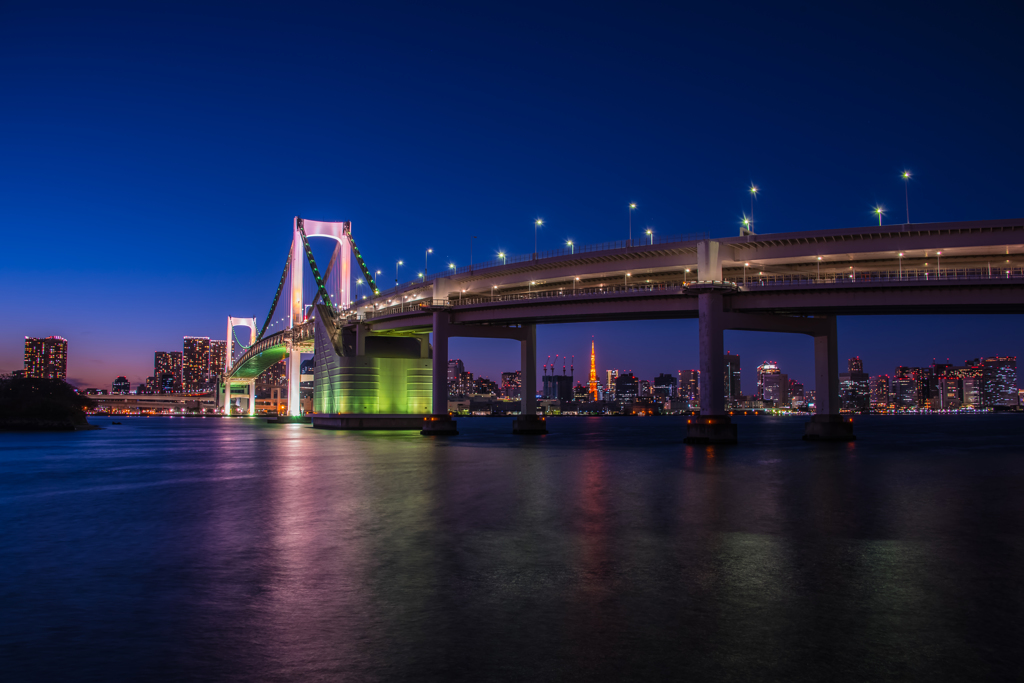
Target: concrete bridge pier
528 421
712 426
440 422
827 424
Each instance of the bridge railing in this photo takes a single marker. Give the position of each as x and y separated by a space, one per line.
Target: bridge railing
554 253
859 277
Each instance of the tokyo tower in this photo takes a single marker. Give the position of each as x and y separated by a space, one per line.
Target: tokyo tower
593 373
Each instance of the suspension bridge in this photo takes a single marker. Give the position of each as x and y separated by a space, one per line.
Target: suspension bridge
381 358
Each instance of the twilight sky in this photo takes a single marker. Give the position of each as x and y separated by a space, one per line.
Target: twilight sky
154 154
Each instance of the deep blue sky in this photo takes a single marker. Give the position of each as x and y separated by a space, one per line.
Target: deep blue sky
153 156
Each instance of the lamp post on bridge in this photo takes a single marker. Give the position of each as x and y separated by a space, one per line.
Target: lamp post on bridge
625 280
880 210
575 280
745 266
753 196
501 255
536 224
471 253
819 268
650 233
906 192
426 268
396 274
938 263
572 249
632 208
901 265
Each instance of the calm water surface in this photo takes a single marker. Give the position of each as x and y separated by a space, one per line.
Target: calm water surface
234 550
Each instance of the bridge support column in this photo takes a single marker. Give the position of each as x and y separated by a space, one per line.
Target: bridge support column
224 396
528 421
827 424
294 381
252 398
440 422
713 426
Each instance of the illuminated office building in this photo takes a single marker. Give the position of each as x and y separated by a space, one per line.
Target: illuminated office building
627 387
689 386
121 385
167 371
664 387
880 392
610 384
999 381
855 387
796 393
764 370
733 389
195 363
46 358
775 388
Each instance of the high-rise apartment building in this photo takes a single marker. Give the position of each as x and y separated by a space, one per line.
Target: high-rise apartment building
46 357
195 363
733 389
796 393
275 375
218 358
765 369
456 376
167 371
999 381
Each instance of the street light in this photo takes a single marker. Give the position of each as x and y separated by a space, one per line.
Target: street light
938 263
753 195
530 287
685 274
745 266
428 252
632 207
906 192
423 278
452 266
627 275
901 265
574 286
879 210
819 268
651 234
536 224
493 287
571 247
396 274
502 255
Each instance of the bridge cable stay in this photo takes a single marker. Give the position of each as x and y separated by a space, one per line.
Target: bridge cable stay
321 289
362 266
277 297
327 275
239 341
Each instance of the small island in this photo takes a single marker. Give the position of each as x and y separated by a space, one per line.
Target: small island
32 404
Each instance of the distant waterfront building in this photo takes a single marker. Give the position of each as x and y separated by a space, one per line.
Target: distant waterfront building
275 375
121 385
46 358
689 386
855 387
195 363
218 357
167 371
627 387
610 384
733 388
999 381
764 370
512 384
796 393
581 393
664 387
557 387
881 396
460 382
485 387
775 388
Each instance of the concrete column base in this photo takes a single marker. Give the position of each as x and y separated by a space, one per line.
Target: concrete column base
439 425
530 424
829 428
710 429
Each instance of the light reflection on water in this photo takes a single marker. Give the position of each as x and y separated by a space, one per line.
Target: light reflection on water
607 550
